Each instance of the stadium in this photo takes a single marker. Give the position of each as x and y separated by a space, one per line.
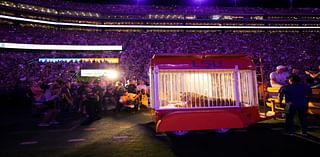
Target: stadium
72 65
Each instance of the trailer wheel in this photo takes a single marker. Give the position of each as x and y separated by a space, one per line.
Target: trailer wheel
222 130
180 132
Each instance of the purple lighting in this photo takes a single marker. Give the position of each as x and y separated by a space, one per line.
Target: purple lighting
138 2
198 2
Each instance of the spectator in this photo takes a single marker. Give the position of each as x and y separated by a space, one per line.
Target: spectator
314 74
37 91
118 92
297 72
278 78
67 100
91 101
142 86
132 87
129 100
51 96
314 77
296 99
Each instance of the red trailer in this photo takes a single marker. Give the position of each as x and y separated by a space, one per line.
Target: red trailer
203 92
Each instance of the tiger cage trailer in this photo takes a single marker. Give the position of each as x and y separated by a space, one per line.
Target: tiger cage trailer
191 92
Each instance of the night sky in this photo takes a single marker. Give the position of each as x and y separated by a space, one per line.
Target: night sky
221 3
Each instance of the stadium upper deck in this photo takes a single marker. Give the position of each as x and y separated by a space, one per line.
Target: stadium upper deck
58 8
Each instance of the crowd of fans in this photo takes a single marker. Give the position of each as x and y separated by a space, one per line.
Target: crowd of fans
293 48
13 33
19 67
56 87
89 97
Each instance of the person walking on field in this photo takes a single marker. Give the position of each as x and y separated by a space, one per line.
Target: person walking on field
296 101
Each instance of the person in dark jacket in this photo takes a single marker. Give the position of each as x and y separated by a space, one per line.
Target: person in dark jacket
296 102
132 87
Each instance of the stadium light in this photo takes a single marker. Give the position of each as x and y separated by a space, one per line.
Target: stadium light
138 2
61 47
108 73
199 2
112 75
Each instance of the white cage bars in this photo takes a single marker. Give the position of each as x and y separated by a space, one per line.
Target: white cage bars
188 89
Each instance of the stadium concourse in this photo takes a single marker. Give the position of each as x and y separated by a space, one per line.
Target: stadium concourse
48 107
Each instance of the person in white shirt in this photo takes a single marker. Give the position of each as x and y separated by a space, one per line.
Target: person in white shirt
142 86
278 78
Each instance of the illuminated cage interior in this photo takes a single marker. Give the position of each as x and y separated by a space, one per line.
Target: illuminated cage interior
206 89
